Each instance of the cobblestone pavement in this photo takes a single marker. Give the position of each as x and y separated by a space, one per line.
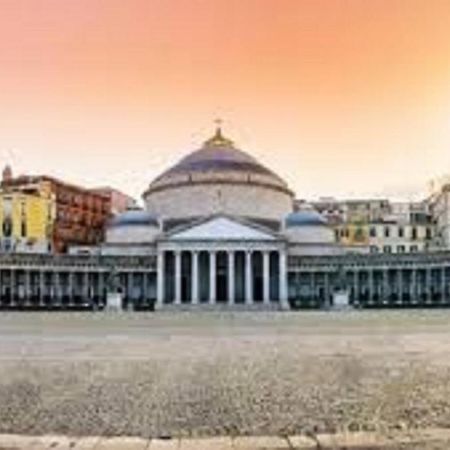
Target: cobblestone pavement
434 439
207 375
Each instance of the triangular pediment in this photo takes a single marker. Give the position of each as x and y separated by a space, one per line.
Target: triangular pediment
221 229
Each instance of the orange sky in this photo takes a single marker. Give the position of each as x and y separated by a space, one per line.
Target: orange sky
340 97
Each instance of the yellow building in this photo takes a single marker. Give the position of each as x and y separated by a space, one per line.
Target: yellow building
26 221
352 234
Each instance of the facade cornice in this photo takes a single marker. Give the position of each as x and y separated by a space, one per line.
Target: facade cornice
181 184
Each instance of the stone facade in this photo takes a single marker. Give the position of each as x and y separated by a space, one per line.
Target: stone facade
245 198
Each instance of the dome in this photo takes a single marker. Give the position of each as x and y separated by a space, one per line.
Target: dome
305 218
218 178
219 154
309 234
134 217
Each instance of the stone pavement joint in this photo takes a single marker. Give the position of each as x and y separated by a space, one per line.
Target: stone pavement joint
326 442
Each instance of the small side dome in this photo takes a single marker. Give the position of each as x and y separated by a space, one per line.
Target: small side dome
304 218
134 217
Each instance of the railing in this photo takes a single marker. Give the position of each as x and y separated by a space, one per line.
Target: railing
54 261
374 259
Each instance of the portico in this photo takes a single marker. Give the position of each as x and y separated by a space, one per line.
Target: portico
222 261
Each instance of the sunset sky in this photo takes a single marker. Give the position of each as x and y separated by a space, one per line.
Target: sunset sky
345 98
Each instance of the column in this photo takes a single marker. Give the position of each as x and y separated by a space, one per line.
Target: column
212 277
413 287
70 288
160 279
177 277
248 278
326 289
370 296
428 284
283 280
385 284
400 285
231 277
443 294
41 287
27 287
266 277
101 288
194 277
145 288
12 286
130 291
57 284
86 286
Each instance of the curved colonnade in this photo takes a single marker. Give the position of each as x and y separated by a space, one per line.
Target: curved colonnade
73 282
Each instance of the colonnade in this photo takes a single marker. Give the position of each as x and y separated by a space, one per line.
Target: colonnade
31 287
225 276
372 286
228 276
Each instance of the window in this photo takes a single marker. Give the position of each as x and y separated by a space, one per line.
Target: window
359 235
400 249
413 249
23 228
7 227
387 232
373 232
414 233
428 233
401 232
387 249
373 249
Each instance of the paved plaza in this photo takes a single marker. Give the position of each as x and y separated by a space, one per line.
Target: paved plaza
185 375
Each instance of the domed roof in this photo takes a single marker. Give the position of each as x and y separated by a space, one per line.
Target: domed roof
306 217
218 154
134 217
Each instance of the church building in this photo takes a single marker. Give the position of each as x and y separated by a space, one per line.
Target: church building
221 226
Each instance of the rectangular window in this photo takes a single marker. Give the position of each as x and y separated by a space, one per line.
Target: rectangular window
414 233
373 232
401 232
373 249
428 233
413 249
387 249
387 232
400 249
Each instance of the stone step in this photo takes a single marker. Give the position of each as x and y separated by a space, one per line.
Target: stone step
438 439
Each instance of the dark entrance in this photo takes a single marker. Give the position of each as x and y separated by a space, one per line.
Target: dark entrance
203 283
169 277
186 277
240 277
222 277
257 271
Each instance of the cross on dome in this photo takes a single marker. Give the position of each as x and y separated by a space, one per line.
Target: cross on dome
218 140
